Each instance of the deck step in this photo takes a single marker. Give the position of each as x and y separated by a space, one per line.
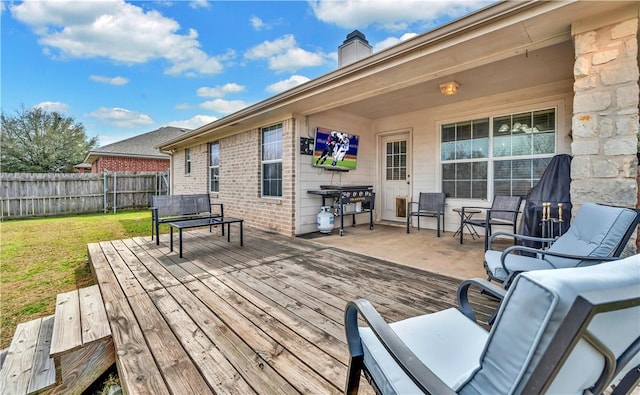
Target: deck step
28 368
63 352
80 319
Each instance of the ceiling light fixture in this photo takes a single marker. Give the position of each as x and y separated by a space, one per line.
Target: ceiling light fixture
449 88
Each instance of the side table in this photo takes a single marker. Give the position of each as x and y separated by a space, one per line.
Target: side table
468 213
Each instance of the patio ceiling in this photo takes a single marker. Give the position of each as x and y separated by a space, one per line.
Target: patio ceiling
545 66
501 49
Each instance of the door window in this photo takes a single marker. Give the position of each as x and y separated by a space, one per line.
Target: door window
396 163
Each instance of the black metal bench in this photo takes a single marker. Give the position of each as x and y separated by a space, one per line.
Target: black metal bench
196 223
175 208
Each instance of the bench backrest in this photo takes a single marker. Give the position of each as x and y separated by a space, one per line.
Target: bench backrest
181 205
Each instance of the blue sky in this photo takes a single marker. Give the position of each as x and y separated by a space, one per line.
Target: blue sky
126 68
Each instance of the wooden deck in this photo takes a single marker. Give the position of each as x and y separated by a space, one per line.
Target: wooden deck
265 318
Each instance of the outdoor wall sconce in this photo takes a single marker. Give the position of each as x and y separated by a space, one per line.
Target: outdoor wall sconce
449 88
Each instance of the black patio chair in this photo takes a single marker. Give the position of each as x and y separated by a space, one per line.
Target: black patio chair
503 212
429 204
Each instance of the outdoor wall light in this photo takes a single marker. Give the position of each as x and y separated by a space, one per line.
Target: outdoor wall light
449 88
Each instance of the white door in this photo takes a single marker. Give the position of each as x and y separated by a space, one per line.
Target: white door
395 177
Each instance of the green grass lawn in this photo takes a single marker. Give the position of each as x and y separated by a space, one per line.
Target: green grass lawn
40 258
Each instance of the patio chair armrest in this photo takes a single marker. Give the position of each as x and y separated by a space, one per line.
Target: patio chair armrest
420 374
485 286
512 249
519 237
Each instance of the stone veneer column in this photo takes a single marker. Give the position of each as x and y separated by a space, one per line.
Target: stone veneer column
605 115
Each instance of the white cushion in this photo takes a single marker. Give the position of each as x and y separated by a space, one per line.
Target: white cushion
447 342
515 263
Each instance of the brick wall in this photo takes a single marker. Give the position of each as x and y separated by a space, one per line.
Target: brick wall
197 181
119 163
240 183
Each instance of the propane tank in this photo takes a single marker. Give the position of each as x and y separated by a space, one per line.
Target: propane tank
325 220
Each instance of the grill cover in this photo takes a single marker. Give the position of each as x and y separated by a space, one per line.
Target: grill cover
553 187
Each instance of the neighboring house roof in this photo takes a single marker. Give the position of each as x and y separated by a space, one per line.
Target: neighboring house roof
486 52
141 146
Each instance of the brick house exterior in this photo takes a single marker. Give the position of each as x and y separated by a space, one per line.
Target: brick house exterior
574 62
138 153
241 180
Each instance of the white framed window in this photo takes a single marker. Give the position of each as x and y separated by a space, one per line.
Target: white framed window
271 175
214 167
187 161
501 155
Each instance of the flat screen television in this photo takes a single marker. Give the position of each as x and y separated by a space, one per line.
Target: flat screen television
335 150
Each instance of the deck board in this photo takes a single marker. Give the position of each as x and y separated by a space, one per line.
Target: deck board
93 317
67 329
17 368
266 318
43 371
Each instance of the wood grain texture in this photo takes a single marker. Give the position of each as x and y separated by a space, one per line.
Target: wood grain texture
67 329
16 369
43 371
137 369
81 368
180 372
93 317
265 318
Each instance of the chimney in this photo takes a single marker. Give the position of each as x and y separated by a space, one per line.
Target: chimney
354 48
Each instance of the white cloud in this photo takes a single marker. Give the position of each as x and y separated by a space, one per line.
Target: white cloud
121 117
115 30
270 48
109 80
283 54
194 122
220 90
391 41
224 106
289 83
199 4
53 106
390 14
295 59
257 23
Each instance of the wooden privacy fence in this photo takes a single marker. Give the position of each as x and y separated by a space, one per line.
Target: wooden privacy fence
25 195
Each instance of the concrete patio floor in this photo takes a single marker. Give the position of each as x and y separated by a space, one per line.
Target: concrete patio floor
420 249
